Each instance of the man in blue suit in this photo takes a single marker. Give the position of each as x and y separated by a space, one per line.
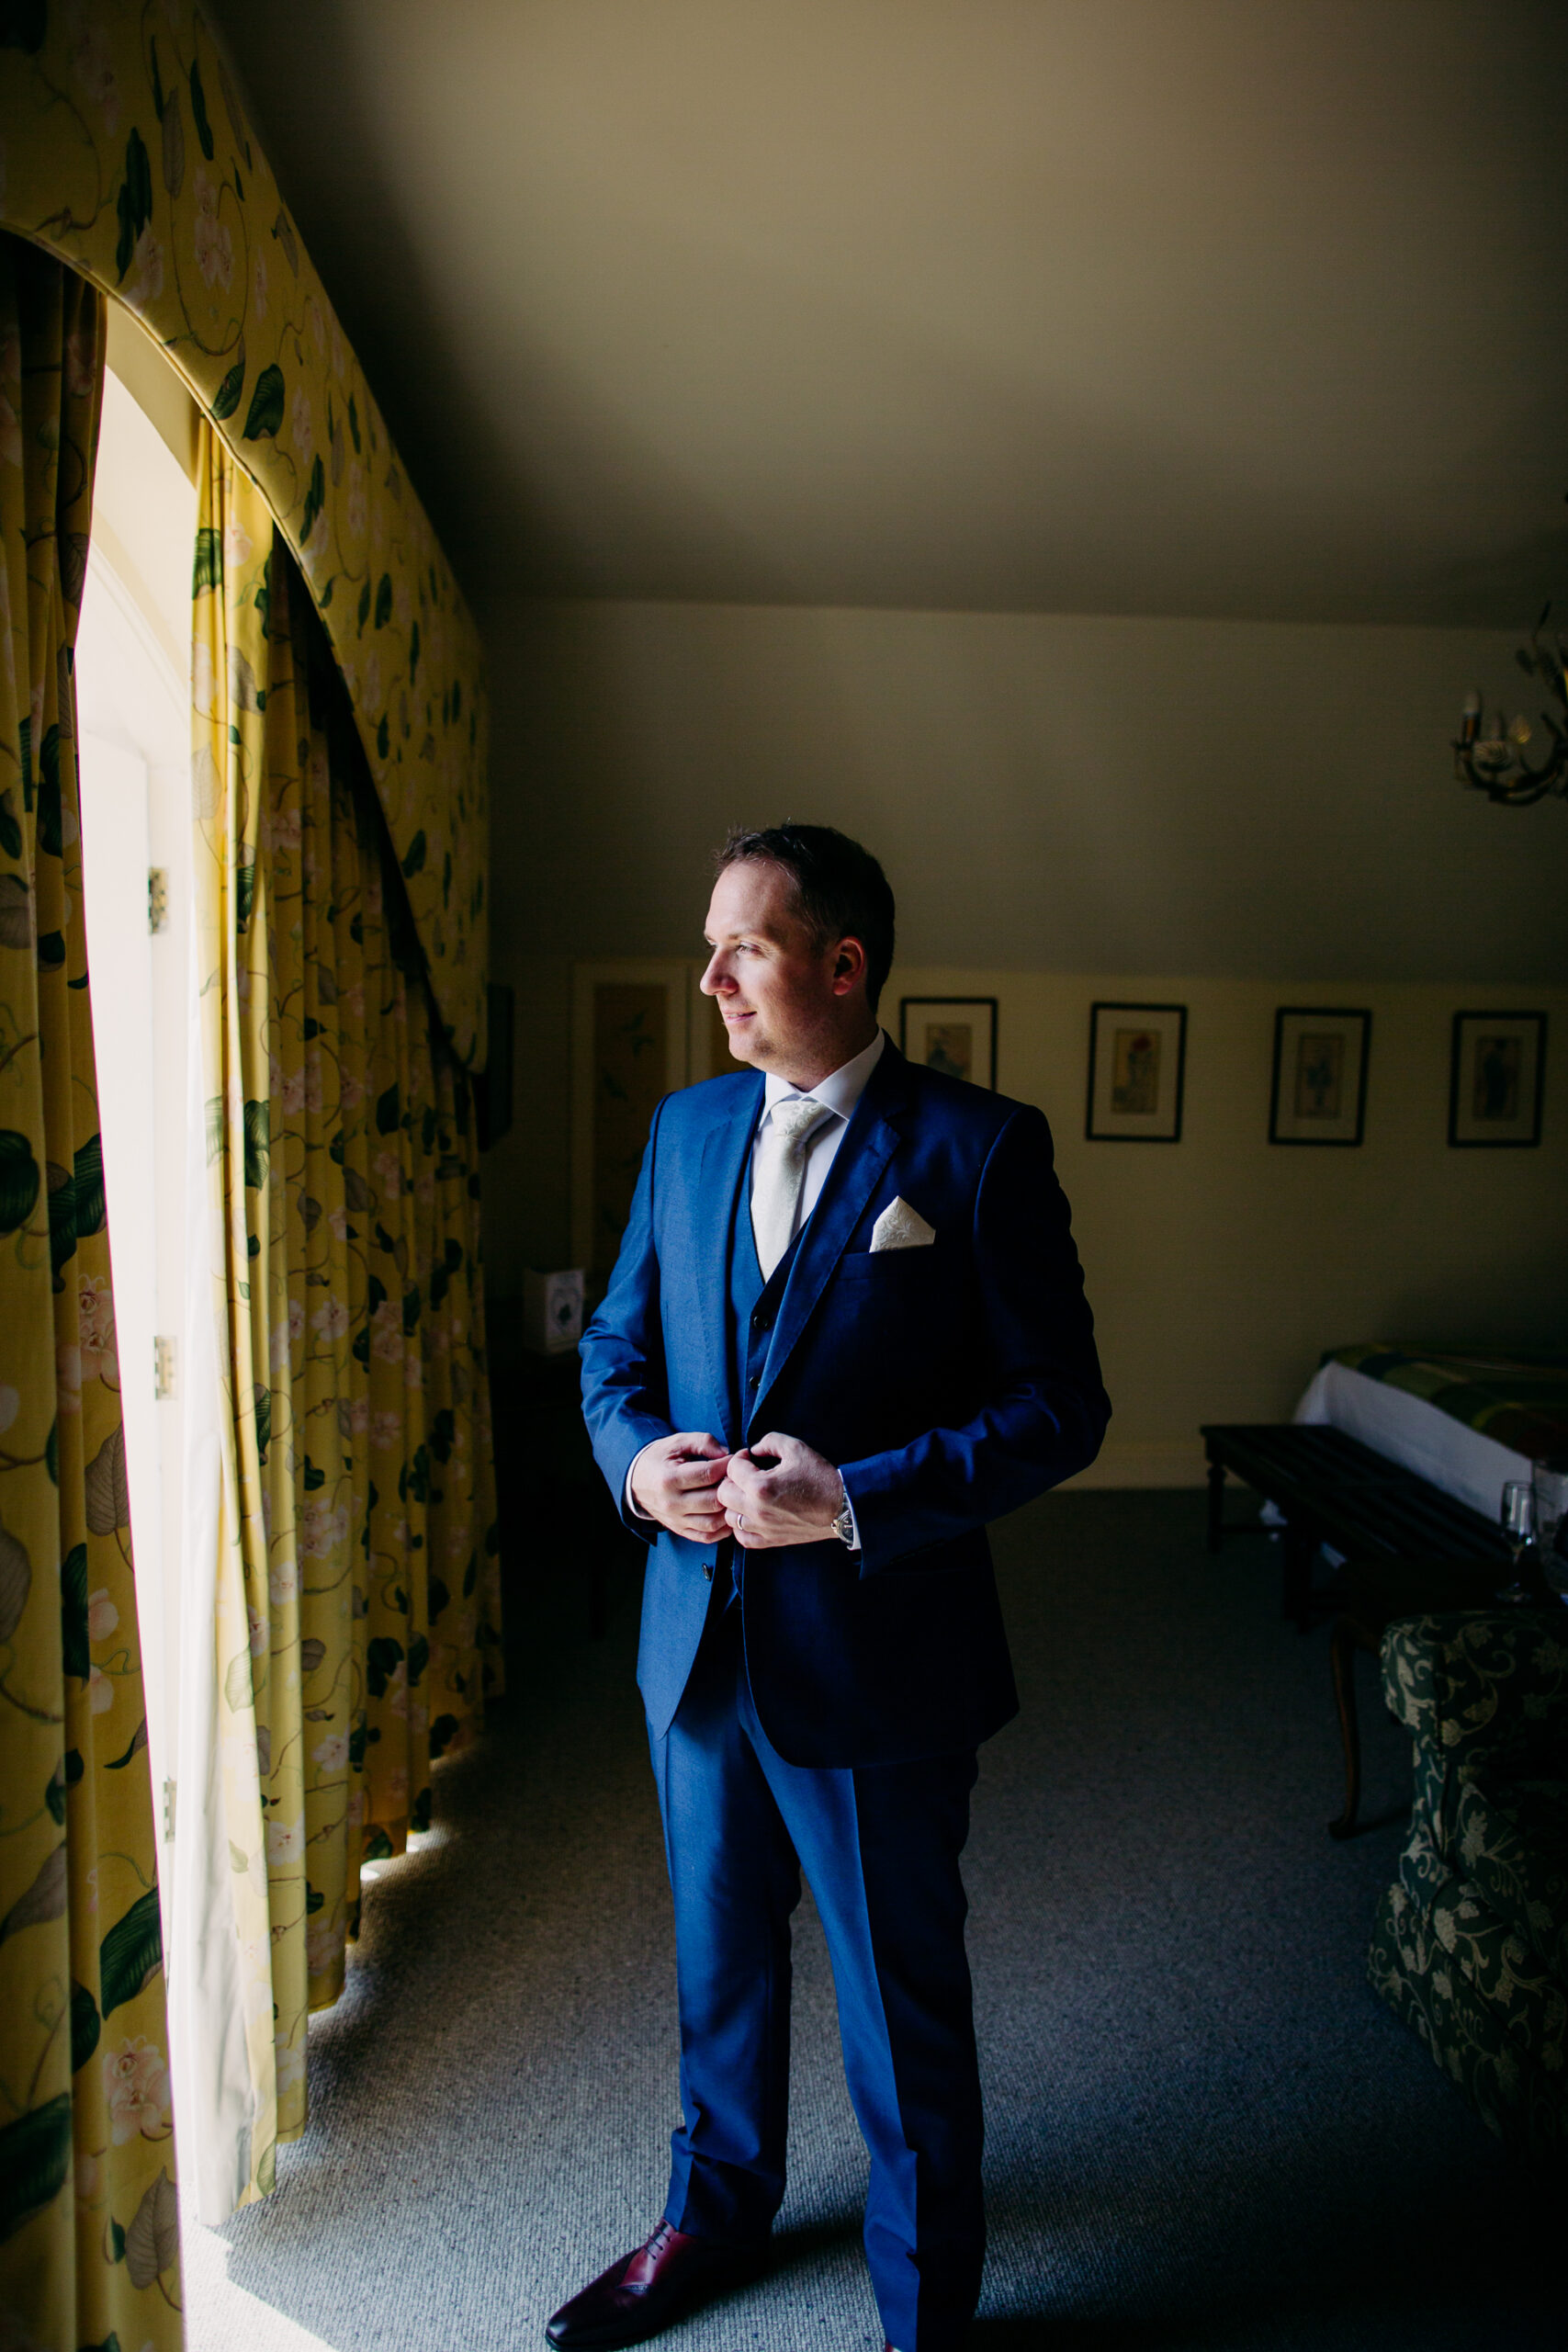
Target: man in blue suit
846 1329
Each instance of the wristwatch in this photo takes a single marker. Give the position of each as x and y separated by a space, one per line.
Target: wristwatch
844 1525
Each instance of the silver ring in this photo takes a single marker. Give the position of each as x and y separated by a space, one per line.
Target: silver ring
740 1524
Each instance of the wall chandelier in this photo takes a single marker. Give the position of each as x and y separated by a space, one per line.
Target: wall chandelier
1495 763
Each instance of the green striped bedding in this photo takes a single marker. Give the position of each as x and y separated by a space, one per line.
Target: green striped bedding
1521 1401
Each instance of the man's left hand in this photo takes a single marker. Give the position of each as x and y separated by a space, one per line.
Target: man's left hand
796 1500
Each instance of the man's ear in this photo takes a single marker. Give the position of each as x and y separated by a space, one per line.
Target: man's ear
849 965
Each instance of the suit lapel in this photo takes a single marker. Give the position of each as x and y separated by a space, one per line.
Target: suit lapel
725 1148
872 1140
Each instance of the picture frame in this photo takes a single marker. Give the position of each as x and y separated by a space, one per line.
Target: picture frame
1137 1072
629 1045
1318 1093
956 1035
1496 1081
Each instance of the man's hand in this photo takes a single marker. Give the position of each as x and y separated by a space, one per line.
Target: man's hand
673 1480
795 1500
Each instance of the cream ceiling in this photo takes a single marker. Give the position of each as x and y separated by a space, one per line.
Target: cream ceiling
1201 307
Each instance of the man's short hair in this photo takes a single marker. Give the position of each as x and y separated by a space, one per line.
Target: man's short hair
840 890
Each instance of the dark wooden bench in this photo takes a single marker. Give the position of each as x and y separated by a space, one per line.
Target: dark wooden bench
1406 1547
1330 1488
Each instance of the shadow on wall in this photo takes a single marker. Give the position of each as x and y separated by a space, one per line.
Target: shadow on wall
1048 792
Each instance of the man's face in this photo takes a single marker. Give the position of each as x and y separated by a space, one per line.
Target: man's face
783 999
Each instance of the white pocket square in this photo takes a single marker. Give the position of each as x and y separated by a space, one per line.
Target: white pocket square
901 1227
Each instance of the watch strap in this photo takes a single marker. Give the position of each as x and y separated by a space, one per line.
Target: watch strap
845 1523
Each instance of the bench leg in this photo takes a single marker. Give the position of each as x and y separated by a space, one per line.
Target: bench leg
1295 1600
1342 1650
1216 1505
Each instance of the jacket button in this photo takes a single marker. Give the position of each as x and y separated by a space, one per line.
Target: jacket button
754 1380
707 1572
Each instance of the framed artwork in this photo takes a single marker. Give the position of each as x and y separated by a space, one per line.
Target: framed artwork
956 1035
629 1045
1496 1079
1137 1064
1319 1092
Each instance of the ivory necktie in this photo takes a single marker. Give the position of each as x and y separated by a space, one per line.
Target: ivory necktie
780 1172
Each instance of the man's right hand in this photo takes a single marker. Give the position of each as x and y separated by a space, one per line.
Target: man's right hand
673 1481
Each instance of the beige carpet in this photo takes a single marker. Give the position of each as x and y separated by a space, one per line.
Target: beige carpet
1203 2128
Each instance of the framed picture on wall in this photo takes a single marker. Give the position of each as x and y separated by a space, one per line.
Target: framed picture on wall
1137 1065
1496 1077
629 1044
956 1035
1319 1092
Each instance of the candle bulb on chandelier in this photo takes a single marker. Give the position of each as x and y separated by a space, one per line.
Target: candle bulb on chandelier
1492 749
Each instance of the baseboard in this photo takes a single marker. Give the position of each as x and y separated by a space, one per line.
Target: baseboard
1155 1462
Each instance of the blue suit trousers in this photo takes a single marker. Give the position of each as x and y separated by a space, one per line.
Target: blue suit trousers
879 1846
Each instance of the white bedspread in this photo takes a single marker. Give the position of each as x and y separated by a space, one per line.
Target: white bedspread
1462 1462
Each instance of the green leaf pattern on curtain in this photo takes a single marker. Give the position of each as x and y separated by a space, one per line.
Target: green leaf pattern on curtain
127 152
358 1600
84 2100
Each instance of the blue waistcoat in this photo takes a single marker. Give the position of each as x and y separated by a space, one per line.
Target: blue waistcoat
753 1310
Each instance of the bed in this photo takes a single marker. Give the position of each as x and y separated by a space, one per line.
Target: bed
1466 1422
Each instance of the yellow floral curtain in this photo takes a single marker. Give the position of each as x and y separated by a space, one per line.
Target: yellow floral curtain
89 2248
358 1580
124 149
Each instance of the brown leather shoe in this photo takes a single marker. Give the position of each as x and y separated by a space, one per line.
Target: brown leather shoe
650 2287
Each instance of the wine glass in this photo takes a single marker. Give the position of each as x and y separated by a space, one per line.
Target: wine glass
1517 1518
1551 1484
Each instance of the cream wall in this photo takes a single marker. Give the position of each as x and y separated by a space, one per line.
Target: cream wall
1220 1267
1233 816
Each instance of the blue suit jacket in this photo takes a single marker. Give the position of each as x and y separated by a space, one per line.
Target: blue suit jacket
949 1383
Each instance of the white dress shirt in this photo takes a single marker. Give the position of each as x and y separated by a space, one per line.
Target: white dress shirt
840 1093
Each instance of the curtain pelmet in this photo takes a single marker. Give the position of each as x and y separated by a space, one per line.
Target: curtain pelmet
89 2232
127 152
358 1608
